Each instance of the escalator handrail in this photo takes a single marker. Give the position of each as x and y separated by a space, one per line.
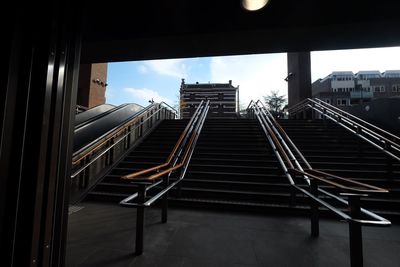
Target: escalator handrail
103 139
80 125
169 106
116 142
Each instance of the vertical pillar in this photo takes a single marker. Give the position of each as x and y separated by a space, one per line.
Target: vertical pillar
140 220
164 211
299 77
314 210
92 84
355 232
38 108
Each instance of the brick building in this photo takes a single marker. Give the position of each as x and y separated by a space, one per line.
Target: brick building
92 85
224 99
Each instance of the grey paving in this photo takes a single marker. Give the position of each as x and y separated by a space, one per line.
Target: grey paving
104 234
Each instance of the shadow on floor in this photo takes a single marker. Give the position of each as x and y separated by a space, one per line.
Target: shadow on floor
104 235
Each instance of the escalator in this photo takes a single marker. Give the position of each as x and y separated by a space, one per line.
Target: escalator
91 114
105 134
93 123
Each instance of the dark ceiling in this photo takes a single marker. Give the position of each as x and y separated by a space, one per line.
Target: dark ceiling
153 29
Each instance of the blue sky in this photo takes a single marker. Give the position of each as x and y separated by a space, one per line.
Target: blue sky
256 75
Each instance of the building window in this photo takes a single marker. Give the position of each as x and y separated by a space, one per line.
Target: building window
341 102
383 89
327 100
377 89
396 88
335 90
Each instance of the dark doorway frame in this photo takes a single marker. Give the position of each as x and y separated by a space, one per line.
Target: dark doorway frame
43 48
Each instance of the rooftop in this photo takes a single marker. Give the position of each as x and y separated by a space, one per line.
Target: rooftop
385 74
207 85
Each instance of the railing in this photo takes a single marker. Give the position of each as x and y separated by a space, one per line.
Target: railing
79 109
160 175
121 137
379 138
288 154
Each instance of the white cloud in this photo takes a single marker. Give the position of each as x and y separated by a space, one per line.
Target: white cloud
142 69
257 75
109 92
143 95
381 59
169 67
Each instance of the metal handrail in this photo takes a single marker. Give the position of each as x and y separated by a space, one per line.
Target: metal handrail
323 177
379 138
184 162
356 118
193 131
112 134
194 128
309 172
173 152
362 123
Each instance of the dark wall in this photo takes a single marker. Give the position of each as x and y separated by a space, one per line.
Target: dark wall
384 112
37 101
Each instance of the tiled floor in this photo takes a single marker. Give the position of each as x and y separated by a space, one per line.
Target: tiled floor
104 235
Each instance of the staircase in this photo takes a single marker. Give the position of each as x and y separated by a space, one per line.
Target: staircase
331 148
234 167
152 151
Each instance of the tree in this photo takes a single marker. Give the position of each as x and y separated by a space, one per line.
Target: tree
275 104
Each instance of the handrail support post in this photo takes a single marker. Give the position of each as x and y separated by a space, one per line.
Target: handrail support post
140 220
164 210
293 201
314 210
111 152
389 161
355 232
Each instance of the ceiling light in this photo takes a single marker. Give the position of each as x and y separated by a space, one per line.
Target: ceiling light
253 5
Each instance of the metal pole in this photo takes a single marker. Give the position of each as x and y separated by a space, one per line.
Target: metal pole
314 210
355 233
164 211
128 138
86 174
140 220
389 162
111 151
292 196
